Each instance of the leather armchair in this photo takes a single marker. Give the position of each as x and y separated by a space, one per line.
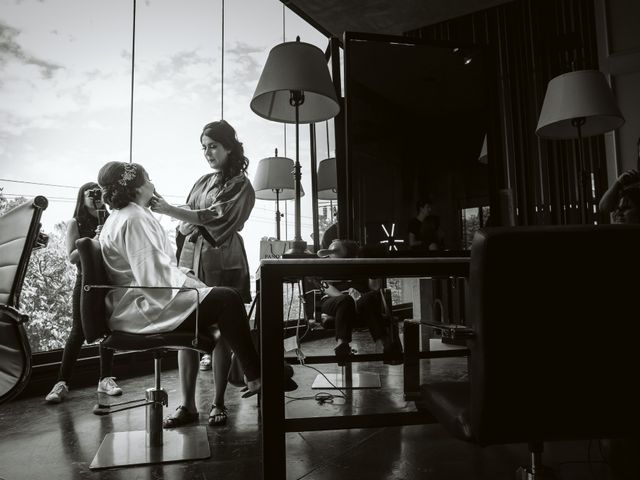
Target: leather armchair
553 336
19 236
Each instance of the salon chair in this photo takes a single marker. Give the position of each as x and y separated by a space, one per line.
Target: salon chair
553 340
152 445
19 236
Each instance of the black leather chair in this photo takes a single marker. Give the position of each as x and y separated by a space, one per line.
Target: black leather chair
152 445
19 235
553 339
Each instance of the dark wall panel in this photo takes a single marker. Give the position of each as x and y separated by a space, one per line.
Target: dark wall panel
534 41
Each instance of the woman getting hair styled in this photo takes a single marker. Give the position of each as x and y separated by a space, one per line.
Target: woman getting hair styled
137 251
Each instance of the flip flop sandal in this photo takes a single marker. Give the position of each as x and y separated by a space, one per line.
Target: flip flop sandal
181 417
218 419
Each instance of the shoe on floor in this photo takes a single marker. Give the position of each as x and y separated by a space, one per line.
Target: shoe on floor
109 386
180 417
205 362
57 393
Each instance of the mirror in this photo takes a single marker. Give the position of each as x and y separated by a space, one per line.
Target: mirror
416 117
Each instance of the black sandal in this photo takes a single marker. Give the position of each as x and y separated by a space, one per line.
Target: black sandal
181 417
218 419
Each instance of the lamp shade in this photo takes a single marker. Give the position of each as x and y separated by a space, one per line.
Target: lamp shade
581 94
275 173
295 66
483 158
327 180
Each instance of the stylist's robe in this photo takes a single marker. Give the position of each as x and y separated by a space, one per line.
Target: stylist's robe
217 254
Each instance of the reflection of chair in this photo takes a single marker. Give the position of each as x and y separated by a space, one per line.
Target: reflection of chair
553 339
19 235
152 445
346 378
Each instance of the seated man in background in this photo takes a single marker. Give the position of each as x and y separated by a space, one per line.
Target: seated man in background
355 303
424 228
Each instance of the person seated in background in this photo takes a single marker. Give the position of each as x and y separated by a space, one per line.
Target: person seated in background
330 234
137 252
622 199
355 303
424 228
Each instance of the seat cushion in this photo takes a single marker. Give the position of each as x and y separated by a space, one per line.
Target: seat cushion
449 403
171 340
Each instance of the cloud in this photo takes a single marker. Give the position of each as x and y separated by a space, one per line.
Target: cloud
245 66
10 50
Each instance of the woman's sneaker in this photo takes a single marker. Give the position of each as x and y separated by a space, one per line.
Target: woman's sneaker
109 386
205 363
57 393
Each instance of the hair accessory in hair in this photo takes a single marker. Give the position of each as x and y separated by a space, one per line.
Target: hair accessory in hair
128 174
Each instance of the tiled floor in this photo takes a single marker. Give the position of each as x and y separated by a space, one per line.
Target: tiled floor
39 441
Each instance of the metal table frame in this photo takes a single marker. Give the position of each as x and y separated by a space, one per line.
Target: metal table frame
273 273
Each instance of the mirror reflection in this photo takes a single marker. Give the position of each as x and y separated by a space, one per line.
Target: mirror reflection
416 115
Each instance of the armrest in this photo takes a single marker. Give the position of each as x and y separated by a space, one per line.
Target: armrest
451 330
14 313
194 342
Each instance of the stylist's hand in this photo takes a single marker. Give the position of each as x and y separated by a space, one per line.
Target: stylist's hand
158 204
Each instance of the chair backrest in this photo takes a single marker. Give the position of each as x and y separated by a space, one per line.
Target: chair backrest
19 230
555 311
92 302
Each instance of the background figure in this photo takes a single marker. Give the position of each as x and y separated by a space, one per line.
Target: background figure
137 251
424 228
622 199
88 217
355 303
330 234
220 203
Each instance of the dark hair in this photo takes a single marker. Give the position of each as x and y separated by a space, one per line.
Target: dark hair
81 213
225 134
633 194
422 202
119 181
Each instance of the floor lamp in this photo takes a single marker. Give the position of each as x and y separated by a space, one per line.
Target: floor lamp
578 104
295 87
273 181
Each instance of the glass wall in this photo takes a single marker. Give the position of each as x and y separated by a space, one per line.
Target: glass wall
65 110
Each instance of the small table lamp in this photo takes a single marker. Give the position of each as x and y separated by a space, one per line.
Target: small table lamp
578 104
274 181
295 87
327 180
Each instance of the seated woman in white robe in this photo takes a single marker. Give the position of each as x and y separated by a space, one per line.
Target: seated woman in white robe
137 251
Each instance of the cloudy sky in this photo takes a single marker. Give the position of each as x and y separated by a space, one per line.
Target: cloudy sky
65 81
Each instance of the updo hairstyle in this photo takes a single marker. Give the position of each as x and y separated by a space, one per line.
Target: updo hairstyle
119 181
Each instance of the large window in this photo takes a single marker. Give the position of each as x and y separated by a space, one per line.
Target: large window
65 86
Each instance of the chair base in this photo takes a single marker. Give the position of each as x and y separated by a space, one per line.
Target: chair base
338 380
122 449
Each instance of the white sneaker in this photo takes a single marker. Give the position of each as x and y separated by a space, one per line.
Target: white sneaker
57 393
205 363
109 386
